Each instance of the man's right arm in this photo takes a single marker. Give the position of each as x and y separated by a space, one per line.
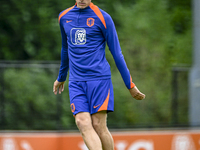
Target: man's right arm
64 66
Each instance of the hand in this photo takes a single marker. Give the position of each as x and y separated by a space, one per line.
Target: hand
58 85
136 93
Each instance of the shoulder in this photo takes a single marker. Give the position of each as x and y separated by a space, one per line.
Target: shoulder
105 14
64 12
98 10
102 15
108 19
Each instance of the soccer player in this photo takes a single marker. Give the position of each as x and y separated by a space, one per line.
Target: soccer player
85 30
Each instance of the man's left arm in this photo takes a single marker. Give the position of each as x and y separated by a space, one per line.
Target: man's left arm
115 49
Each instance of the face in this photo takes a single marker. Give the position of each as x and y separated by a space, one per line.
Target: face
83 3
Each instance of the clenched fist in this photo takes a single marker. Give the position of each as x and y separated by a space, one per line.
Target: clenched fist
136 93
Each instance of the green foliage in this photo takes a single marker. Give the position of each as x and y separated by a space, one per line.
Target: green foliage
33 106
151 46
154 35
30 30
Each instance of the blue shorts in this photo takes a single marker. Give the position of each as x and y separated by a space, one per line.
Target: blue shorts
91 96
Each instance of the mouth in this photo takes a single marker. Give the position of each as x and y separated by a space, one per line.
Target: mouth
81 4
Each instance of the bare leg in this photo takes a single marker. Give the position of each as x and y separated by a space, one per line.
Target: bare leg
99 122
90 137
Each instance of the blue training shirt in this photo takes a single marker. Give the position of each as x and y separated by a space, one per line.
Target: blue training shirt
84 35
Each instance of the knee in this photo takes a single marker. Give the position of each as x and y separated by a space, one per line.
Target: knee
83 124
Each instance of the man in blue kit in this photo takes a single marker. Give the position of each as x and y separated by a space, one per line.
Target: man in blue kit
85 30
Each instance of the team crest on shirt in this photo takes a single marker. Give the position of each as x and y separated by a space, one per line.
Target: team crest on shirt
78 36
90 22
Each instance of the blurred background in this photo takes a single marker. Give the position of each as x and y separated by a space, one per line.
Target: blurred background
156 41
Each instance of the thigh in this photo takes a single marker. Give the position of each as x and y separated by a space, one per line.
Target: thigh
78 98
100 95
99 120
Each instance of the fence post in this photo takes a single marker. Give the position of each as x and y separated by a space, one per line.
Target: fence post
59 112
2 100
194 82
174 103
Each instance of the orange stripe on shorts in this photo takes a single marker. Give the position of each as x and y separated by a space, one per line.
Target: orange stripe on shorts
105 104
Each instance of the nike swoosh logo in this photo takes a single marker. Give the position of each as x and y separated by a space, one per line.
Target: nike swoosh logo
68 21
96 106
